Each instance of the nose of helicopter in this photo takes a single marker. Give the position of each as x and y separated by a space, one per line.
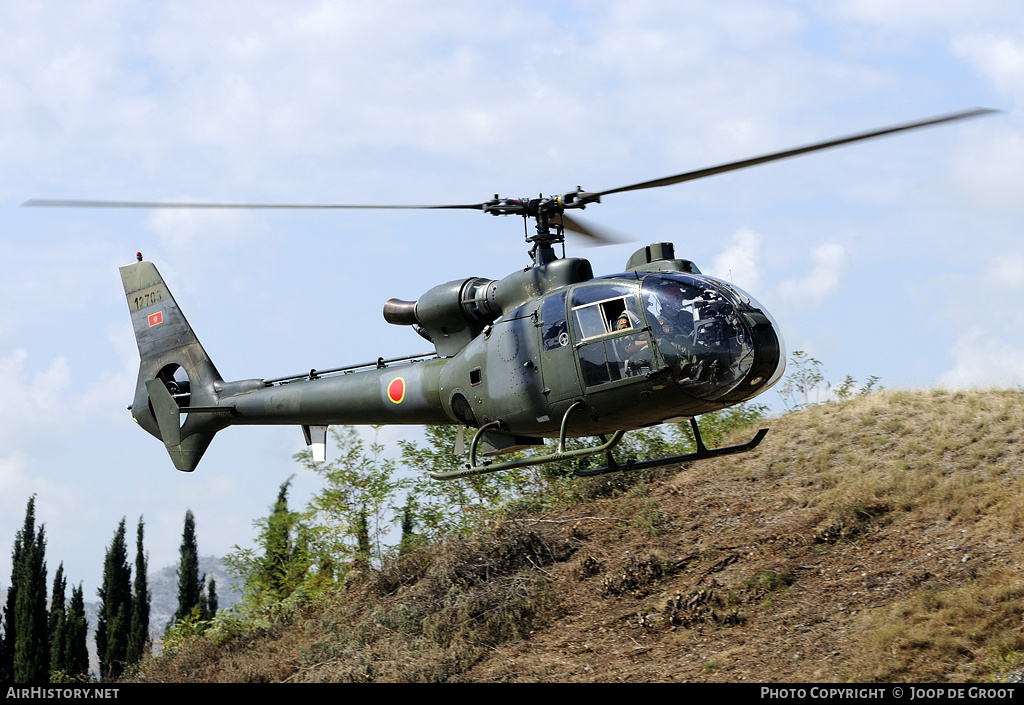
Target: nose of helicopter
718 343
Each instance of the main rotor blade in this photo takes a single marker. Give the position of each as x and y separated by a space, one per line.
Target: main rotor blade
66 203
733 166
598 235
495 207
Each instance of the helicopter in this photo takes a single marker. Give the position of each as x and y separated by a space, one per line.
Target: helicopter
548 351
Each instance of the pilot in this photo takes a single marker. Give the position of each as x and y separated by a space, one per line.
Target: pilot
625 321
673 333
631 351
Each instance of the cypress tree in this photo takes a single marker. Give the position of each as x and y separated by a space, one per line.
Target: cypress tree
408 527
138 641
279 561
58 624
114 622
189 586
8 638
362 540
75 634
283 561
211 599
31 638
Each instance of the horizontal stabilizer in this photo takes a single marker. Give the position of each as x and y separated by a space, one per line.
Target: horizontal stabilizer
168 415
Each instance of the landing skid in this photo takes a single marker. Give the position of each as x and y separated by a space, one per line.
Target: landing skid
606 446
701 453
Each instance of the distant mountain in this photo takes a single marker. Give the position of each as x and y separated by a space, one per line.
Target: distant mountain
163 584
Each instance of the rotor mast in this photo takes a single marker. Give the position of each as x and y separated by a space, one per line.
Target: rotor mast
551 221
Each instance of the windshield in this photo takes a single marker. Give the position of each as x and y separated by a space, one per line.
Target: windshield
697 328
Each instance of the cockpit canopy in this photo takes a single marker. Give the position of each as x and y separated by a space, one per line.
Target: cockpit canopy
717 341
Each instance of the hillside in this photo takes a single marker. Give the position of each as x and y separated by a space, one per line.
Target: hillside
870 540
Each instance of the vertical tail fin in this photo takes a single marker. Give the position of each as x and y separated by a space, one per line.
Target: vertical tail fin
175 372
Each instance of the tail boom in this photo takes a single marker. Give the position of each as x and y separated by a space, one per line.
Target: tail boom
181 398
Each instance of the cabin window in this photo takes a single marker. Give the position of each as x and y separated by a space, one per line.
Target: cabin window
615 345
613 359
556 332
603 316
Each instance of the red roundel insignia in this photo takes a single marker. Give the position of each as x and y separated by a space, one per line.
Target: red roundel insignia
396 390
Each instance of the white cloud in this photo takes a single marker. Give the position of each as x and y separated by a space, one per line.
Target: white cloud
739 262
1008 273
107 395
15 486
223 100
984 358
989 351
33 402
830 263
33 419
997 57
918 16
988 171
191 237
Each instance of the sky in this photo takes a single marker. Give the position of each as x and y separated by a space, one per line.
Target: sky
900 258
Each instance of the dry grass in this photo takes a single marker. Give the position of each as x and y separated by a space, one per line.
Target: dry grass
872 540
943 633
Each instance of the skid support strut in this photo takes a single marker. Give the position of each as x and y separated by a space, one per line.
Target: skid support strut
476 467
